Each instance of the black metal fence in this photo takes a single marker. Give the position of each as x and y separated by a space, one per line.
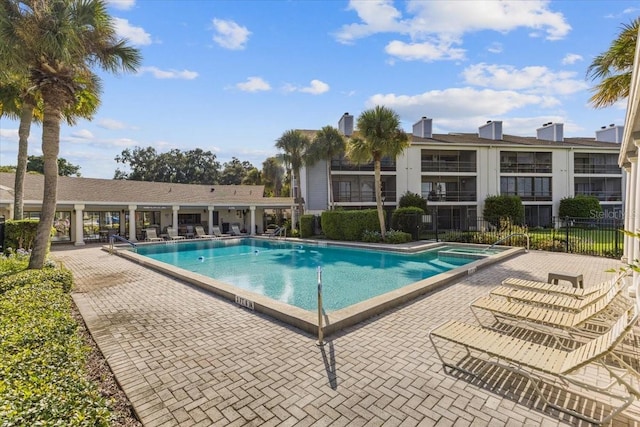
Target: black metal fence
592 236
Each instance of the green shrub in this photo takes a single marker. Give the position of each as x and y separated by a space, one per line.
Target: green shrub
349 225
580 206
503 206
408 220
59 278
20 234
43 380
306 225
371 236
395 237
410 199
13 262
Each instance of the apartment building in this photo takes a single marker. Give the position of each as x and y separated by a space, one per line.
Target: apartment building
456 172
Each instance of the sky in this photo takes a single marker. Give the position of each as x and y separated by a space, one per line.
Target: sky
232 76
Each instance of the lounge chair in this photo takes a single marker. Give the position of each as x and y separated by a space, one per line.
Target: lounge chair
594 317
552 288
235 231
545 365
151 235
217 232
173 234
200 234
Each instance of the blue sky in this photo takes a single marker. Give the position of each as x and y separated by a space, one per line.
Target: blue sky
232 76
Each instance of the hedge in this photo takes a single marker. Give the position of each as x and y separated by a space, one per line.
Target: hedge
349 225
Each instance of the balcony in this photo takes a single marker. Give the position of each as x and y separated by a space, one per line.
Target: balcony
344 165
451 196
525 168
364 197
598 169
603 196
445 166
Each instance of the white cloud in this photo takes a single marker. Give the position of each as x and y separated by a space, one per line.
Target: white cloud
425 51
9 135
533 79
168 74
122 4
254 84
82 134
110 124
136 35
316 87
571 58
433 28
230 35
495 48
459 102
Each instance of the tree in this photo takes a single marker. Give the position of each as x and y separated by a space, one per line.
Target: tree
234 172
60 41
253 177
294 145
189 167
614 67
272 173
501 207
378 135
327 144
36 164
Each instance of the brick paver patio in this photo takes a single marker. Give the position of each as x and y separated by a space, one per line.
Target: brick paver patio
187 358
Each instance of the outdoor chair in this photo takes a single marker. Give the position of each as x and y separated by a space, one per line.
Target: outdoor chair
173 234
552 288
217 232
235 230
200 234
547 368
151 235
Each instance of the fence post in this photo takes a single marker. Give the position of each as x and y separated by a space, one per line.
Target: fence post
566 233
617 239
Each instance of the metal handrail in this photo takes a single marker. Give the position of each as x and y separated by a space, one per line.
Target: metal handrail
114 237
508 237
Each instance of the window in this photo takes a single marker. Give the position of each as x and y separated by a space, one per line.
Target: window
448 161
528 188
522 161
596 163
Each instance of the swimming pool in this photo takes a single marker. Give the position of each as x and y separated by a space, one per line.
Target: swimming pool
287 272
279 278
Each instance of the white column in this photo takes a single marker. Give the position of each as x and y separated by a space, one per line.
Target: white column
210 219
293 216
253 220
627 208
175 217
11 211
79 234
132 223
634 208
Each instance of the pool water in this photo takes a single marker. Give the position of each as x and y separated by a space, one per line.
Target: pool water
288 272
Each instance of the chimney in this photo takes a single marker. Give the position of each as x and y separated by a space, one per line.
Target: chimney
422 128
551 132
612 133
345 124
491 130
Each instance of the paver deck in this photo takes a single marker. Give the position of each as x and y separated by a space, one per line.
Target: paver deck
188 358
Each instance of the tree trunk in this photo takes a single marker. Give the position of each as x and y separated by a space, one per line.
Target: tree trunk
383 229
50 149
26 117
298 196
331 204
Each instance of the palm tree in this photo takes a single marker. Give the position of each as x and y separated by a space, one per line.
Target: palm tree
60 41
378 135
294 145
272 173
327 144
614 68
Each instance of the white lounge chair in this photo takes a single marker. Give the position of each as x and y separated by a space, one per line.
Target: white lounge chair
151 235
173 234
235 230
545 365
200 234
217 232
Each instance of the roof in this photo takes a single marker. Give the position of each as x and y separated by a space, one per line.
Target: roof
104 191
511 140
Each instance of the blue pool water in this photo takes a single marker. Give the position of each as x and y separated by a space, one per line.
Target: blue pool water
287 272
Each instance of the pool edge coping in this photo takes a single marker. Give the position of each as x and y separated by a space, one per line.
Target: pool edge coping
335 321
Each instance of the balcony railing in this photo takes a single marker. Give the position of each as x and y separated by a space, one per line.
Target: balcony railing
525 168
603 196
451 196
364 197
531 197
598 169
444 166
344 165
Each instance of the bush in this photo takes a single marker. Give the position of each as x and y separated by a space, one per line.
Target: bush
43 379
20 234
395 237
306 225
410 199
580 206
349 225
371 236
497 207
408 220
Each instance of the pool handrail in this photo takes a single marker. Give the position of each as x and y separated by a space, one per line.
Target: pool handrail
508 237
